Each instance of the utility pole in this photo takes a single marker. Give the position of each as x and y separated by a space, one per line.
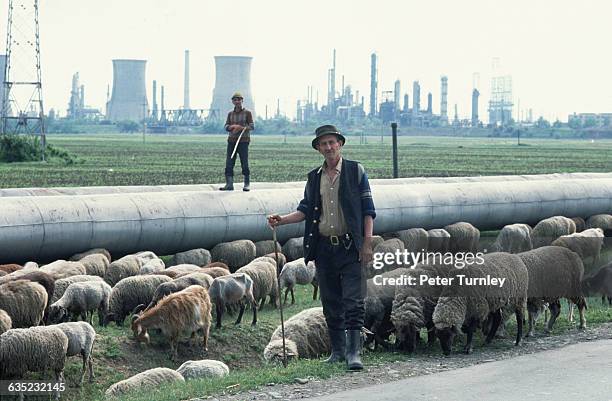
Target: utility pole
22 108
144 120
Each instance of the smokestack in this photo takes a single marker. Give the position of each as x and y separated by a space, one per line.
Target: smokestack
163 108
444 100
475 95
82 97
232 74
129 98
154 109
373 86
416 97
186 104
406 98
396 95
429 99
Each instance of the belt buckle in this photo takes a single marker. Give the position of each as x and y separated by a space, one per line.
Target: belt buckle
334 240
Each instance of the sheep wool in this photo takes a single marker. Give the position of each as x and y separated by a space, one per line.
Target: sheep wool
464 237
234 254
24 301
5 321
263 274
587 244
153 266
294 248
203 369
78 256
127 266
548 230
438 240
131 292
198 256
95 264
80 299
149 379
513 238
36 349
62 269
414 239
306 336
81 337
62 284
263 248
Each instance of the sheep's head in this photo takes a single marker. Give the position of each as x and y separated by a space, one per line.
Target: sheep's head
446 335
274 350
407 335
109 317
58 314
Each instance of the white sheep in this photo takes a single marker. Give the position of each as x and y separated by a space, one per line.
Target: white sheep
587 244
202 369
513 238
306 336
234 254
153 266
62 284
464 237
233 288
198 256
438 240
78 256
149 379
62 269
24 301
127 266
81 299
35 349
298 272
95 264
548 230
5 321
81 338
265 282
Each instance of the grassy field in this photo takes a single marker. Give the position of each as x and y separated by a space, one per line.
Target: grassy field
122 159
113 159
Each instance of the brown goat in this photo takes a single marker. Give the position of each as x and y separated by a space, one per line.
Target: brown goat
10 267
183 312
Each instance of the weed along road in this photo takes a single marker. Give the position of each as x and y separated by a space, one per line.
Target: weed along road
576 372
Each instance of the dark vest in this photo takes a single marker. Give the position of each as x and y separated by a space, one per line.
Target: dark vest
350 202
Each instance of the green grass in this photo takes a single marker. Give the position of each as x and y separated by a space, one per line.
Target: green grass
122 159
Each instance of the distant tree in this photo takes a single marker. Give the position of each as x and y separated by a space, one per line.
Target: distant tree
590 122
128 126
542 123
557 124
574 123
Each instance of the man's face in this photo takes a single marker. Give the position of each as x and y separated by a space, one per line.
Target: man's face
329 146
237 101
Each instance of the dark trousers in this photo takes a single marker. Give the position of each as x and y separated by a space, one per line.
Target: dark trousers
341 284
243 152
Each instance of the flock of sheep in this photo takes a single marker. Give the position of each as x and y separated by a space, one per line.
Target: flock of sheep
541 266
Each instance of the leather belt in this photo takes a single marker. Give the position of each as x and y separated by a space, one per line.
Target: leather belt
336 240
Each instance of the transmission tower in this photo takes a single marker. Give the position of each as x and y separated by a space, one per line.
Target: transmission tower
22 106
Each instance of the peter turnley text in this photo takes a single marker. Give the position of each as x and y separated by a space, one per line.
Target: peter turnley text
426 280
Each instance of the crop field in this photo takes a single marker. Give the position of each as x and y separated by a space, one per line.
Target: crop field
122 159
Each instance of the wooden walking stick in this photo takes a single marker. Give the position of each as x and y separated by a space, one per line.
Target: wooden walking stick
280 300
237 142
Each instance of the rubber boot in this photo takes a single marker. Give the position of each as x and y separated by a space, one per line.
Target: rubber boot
353 347
338 345
247 183
229 184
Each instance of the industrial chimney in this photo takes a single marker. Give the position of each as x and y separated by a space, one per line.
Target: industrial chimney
475 95
233 74
396 96
154 111
429 105
444 100
373 86
129 98
416 97
186 104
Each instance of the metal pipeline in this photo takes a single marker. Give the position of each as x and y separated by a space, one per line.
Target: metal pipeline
43 228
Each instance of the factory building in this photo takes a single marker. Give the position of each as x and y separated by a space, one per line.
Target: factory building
587 120
232 74
129 95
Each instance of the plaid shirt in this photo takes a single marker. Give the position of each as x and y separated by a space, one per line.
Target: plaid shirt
242 117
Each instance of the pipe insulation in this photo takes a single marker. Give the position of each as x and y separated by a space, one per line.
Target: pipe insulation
293 184
45 228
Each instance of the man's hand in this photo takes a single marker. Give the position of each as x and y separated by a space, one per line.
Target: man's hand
275 220
365 253
237 129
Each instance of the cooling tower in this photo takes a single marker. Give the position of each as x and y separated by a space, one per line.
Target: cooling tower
233 74
129 98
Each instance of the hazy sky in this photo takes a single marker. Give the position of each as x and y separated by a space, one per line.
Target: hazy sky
557 51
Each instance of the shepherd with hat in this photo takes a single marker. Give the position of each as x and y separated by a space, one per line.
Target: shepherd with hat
239 124
339 214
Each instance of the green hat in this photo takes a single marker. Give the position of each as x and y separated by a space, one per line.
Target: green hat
327 130
237 95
